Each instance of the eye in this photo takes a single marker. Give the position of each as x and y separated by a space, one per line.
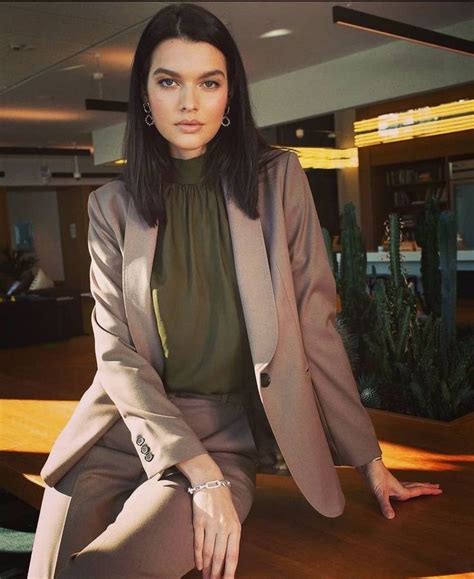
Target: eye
213 81
164 80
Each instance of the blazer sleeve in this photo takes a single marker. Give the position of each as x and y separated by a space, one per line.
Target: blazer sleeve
158 430
349 429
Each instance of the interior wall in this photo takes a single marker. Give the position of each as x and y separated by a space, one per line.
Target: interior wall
74 222
41 209
348 177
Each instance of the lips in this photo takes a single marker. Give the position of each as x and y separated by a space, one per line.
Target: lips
190 123
189 128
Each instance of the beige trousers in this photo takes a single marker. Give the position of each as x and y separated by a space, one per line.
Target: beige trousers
105 518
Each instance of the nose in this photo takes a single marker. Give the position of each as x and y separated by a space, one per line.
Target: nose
188 99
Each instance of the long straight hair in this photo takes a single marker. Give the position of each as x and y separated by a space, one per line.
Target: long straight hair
235 156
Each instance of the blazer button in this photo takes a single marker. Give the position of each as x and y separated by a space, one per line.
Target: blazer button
265 379
140 440
149 456
145 448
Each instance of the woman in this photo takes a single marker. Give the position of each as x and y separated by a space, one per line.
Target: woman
208 267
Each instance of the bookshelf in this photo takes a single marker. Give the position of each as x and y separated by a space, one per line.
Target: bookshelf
398 176
406 187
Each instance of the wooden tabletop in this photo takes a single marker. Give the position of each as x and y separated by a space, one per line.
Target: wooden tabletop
283 536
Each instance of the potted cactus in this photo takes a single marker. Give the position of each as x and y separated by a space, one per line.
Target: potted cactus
406 352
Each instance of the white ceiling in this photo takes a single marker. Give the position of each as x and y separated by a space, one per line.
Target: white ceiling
42 103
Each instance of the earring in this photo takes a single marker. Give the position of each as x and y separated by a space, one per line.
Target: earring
148 118
225 118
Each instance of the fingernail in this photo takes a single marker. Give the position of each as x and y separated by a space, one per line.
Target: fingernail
390 515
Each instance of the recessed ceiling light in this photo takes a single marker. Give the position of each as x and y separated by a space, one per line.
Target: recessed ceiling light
20 47
72 67
276 32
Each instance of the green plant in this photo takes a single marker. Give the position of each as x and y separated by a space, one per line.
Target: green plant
395 305
331 255
448 255
349 341
442 382
357 308
406 360
369 392
427 238
353 266
15 262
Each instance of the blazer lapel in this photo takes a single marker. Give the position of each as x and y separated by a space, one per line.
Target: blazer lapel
255 285
253 278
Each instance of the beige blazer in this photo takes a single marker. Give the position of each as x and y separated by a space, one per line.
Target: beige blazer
306 387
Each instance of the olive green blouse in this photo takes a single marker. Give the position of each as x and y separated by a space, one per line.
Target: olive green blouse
195 293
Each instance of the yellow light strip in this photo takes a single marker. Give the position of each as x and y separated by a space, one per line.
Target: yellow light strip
327 158
411 117
427 121
33 115
388 135
444 126
317 157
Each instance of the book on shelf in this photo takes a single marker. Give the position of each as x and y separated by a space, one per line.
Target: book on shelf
404 199
439 193
401 198
412 176
407 220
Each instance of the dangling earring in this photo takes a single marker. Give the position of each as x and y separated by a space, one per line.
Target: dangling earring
148 118
225 118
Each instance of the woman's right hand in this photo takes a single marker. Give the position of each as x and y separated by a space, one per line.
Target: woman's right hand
215 520
217 532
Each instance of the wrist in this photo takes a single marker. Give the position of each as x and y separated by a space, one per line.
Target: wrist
371 463
209 485
200 469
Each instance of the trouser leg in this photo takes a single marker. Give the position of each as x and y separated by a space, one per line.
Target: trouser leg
153 535
81 505
114 522
54 508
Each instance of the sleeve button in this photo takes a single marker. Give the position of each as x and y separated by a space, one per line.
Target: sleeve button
140 440
145 448
149 456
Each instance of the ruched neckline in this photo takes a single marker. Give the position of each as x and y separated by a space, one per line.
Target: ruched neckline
189 171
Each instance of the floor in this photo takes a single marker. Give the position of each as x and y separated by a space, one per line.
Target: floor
18 522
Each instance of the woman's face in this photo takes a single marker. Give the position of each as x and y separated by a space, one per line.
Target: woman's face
186 91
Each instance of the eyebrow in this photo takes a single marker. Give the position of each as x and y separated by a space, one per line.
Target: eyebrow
160 69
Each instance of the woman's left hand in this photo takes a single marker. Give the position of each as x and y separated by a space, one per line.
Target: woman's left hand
384 485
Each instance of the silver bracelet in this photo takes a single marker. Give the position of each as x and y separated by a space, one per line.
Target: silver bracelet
209 485
373 460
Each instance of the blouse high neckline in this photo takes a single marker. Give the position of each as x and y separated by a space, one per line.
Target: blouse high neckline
189 171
